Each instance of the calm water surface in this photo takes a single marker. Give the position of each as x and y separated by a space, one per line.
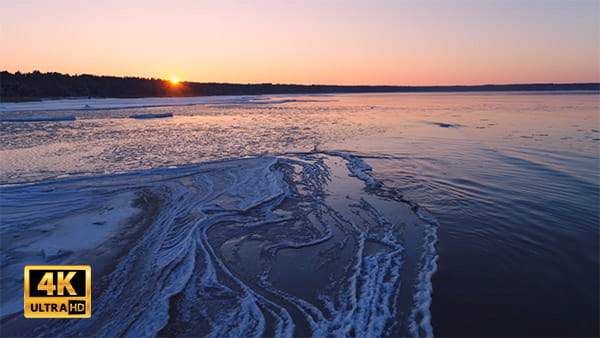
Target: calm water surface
514 186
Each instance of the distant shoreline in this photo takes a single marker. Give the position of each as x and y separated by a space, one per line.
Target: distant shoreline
36 86
524 91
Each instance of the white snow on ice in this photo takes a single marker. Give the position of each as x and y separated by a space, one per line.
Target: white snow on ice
142 102
328 255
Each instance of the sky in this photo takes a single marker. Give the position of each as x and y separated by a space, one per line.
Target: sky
377 42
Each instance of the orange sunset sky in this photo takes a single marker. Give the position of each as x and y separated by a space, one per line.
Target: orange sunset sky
398 42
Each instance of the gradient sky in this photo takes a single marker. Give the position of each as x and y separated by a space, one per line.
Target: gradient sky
329 42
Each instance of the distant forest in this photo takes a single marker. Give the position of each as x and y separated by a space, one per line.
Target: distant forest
36 85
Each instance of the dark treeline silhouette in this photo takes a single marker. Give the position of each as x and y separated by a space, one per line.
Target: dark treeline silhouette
35 85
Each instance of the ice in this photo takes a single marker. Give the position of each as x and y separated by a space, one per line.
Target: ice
151 116
51 253
142 102
39 118
261 246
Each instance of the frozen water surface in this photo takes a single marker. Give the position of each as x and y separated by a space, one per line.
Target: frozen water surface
295 244
307 215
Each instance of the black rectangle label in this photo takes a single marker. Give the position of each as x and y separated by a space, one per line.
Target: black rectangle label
76 307
57 283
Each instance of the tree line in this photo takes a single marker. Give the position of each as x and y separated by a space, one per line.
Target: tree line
36 85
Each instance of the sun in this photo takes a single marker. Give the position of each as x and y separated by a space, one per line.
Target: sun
174 80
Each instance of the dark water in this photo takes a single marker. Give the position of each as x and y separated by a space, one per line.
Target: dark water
518 207
519 252
513 180
518 248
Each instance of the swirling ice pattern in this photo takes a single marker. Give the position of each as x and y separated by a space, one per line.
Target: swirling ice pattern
226 244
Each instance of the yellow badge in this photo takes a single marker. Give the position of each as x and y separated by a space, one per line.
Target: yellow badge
58 291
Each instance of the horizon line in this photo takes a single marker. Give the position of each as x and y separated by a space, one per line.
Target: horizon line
312 84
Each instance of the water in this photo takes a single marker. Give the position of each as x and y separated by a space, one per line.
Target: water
510 181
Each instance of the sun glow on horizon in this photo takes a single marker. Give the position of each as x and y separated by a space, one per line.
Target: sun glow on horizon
411 42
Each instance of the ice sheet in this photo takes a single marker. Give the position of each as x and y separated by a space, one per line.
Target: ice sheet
141 102
299 244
